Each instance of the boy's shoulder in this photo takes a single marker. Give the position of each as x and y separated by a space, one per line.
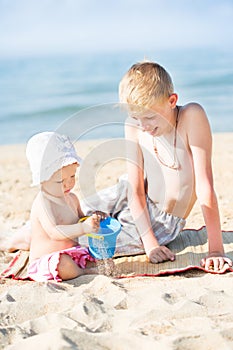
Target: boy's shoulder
192 107
193 123
192 114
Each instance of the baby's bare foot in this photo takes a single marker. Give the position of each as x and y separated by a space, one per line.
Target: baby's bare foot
11 244
5 245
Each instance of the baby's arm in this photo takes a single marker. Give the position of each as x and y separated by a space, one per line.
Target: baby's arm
43 210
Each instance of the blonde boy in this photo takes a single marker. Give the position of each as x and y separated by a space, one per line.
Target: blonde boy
172 147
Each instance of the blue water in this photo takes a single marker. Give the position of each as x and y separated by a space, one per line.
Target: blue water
79 92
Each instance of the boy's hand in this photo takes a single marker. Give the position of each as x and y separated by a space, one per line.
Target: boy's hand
216 262
160 254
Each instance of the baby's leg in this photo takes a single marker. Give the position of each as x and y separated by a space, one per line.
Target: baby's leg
68 269
19 240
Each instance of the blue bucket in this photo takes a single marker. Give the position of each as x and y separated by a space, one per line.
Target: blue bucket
102 244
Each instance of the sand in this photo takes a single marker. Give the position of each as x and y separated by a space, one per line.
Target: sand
187 311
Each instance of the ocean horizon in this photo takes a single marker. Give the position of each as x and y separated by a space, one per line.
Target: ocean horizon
78 93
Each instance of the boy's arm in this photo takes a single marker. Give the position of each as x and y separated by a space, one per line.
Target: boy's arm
200 143
137 198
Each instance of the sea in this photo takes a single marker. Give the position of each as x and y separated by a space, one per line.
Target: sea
77 94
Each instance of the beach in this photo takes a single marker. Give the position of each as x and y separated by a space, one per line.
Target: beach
186 311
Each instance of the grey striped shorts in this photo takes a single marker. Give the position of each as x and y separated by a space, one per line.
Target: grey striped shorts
114 200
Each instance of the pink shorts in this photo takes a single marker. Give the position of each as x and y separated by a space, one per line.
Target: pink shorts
45 268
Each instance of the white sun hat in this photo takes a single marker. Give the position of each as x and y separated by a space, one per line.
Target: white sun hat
48 152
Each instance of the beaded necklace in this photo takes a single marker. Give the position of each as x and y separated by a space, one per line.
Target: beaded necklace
175 165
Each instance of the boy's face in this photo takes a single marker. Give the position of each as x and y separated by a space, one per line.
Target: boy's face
157 119
61 182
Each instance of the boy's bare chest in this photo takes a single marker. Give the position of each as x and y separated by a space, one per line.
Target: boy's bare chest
165 181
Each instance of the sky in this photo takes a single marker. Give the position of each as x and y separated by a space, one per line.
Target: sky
30 27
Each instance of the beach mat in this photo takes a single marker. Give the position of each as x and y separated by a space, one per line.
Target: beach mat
190 247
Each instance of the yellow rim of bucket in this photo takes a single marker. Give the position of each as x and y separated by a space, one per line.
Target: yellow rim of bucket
92 235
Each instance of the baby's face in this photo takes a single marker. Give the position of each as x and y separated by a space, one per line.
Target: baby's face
62 181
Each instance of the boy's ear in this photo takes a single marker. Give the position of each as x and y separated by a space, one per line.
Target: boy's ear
173 100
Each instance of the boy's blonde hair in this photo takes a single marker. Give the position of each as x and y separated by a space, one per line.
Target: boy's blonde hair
144 84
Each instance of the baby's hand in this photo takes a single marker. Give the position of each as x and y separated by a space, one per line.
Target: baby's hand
102 214
160 254
92 224
216 263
